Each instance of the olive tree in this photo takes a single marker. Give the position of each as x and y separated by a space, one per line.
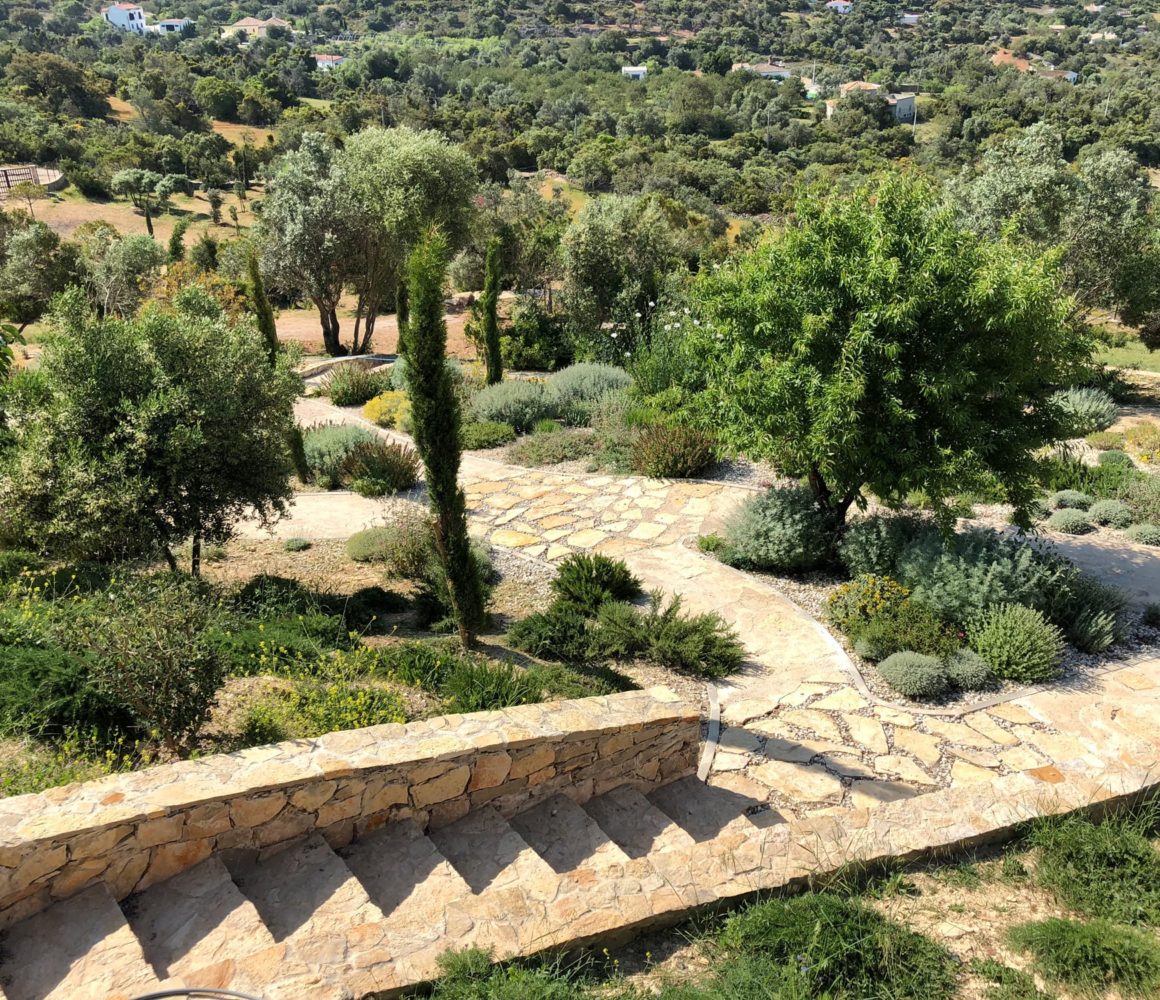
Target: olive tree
147 432
878 346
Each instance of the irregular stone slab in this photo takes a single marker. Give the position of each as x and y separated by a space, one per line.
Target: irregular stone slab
868 794
963 773
843 700
814 722
867 732
799 782
925 747
904 768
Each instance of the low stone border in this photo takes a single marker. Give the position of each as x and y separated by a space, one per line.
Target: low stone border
132 830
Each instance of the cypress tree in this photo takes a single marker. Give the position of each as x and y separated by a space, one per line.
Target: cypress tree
490 303
268 327
436 418
402 316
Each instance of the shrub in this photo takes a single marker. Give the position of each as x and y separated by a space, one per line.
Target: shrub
1120 458
368 545
388 409
560 633
909 627
1105 868
783 529
1070 500
587 581
433 601
266 721
824 945
872 545
1069 522
13 562
1017 642
967 670
398 373
483 434
297 544
702 645
575 390
1106 440
1090 957
535 340
854 605
1151 616
1098 481
1111 513
517 402
1144 534
545 426
477 685
587 680
47 692
915 675
973 569
1091 613
163 665
1084 411
327 448
353 385
552 448
380 467
320 707
672 451
1141 495
403 547
1144 440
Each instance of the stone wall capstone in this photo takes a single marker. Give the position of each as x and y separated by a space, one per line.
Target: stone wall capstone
132 830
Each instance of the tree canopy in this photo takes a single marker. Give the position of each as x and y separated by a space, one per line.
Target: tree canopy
146 432
878 346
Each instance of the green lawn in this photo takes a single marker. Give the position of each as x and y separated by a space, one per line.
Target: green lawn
1132 355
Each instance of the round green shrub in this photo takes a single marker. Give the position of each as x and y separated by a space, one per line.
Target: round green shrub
1017 642
481 434
1069 522
576 389
587 581
872 545
783 529
1144 534
1070 500
328 447
297 544
1111 513
1083 411
379 467
915 675
518 402
967 670
1116 457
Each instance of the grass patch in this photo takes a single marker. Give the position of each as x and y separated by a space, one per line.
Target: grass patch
1005 983
1107 869
1090 957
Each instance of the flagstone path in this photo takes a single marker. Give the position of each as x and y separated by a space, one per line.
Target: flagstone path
797 729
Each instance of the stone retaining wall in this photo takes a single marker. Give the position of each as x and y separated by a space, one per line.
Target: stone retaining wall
133 830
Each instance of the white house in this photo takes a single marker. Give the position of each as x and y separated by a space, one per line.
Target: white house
1070 76
170 25
902 105
840 6
766 70
909 20
634 72
326 62
126 16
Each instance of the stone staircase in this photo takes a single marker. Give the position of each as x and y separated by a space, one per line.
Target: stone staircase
309 923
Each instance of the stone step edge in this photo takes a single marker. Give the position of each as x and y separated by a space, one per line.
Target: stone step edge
935 825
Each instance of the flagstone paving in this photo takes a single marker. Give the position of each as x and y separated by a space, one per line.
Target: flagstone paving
797 728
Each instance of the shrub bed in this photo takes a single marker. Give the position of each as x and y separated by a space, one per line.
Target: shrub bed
353 385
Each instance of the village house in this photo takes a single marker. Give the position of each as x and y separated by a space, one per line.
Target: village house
766 70
326 62
253 27
634 72
909 20
840 6
1005 57
902 106
170 25
126 16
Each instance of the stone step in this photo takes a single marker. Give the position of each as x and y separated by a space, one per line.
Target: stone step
308 899
703 811
511 882
81 948
275 973
425 903
196 919
566 837
638 827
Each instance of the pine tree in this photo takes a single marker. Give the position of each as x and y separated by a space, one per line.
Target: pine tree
490 306
436 418
267 326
